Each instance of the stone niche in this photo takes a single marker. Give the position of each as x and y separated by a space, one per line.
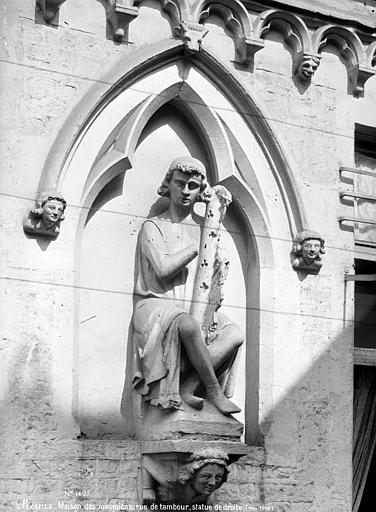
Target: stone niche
106 302
169 440
113 174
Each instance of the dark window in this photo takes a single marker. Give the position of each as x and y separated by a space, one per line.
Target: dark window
365 306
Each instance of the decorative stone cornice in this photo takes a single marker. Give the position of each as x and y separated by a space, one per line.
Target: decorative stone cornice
308 45
249 28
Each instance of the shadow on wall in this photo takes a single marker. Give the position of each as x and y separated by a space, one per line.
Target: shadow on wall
306 463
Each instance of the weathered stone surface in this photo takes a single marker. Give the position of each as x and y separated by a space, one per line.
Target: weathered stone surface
305 358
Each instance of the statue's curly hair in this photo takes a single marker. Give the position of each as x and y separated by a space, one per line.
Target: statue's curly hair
307 235
202 458
187 165
43 198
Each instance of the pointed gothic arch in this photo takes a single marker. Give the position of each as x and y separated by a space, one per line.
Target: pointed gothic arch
97 145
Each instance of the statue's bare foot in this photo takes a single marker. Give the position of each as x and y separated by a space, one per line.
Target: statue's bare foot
194 401
217 398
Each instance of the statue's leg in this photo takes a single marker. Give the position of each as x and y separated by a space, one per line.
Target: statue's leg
222 352
198 354
189 381
227 342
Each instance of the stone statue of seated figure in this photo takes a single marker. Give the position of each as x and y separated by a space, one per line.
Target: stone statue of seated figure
172 360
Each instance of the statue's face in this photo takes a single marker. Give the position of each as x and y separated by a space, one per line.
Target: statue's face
307 69
310 250
208 479
184 189
52 212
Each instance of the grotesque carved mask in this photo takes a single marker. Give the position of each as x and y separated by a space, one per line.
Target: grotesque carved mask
307 67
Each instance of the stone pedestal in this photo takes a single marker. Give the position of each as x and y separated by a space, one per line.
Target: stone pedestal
207 424
174 443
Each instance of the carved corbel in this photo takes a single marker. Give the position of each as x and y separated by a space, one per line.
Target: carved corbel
49 8
307 67
45 218
307 251
246 49
183 478
119 14
191 34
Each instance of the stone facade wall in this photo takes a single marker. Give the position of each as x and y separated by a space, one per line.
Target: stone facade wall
305 377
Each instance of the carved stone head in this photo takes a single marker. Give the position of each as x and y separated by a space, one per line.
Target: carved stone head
187 165
308 247
189 480
50 208
307 67
44 220
206 470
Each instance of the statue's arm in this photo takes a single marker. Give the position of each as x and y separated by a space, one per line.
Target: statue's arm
165 265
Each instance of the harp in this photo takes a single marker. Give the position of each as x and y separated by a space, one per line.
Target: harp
211 268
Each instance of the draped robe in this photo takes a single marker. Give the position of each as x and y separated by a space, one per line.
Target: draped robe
153 367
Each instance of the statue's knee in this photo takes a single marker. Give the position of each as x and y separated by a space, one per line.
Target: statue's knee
188 326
